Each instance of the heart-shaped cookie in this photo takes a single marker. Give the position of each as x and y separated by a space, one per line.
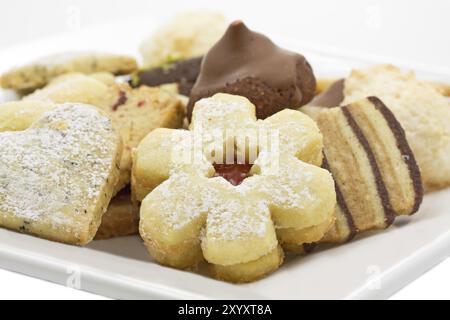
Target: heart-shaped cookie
57 177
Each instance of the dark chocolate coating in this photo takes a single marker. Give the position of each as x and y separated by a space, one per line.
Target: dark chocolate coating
331 97
353 231
405 149
249 64
381 186
182 72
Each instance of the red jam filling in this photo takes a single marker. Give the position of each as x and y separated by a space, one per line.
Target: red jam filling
233 173
121 100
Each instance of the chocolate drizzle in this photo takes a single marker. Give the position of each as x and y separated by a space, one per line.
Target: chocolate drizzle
402 144
381 186
342 205
309 247
331 97
249 64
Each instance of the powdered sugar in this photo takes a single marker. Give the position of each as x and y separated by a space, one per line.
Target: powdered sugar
54 172
225 212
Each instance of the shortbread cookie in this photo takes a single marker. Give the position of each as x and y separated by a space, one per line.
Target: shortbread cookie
374 169
188 35
419 106
232 190
119 220
135 112
19 115
57 177
39 73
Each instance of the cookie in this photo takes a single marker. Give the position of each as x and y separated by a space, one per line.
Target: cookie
134 112
188 35
183 73
374 169
57 177
39 73
422 111
232 191
119 220
249 64
19 115
420 107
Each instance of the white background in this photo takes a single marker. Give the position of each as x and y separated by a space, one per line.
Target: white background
415 32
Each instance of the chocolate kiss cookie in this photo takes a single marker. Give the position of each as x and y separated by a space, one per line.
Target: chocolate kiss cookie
249 64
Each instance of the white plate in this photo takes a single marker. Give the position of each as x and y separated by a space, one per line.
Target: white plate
373 266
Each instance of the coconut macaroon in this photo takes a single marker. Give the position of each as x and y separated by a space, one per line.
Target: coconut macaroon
420 107
188 35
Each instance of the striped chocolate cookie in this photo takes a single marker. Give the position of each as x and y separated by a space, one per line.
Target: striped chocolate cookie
375 171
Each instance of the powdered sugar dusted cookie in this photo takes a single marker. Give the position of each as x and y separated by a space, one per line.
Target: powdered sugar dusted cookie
58 176
233 190
39 73
134 112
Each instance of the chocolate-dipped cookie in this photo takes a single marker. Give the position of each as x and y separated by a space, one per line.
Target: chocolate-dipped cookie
249 64
375 172
182 72
331 97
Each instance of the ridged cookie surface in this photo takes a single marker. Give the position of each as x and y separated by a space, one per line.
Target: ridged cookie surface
422 111
375 171
421 108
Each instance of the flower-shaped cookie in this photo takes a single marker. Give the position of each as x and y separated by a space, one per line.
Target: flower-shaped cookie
232 190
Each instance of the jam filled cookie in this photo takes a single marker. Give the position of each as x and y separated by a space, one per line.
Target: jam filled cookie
188 35
41 72
232 190
420 107
249 64
57 177
374 169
